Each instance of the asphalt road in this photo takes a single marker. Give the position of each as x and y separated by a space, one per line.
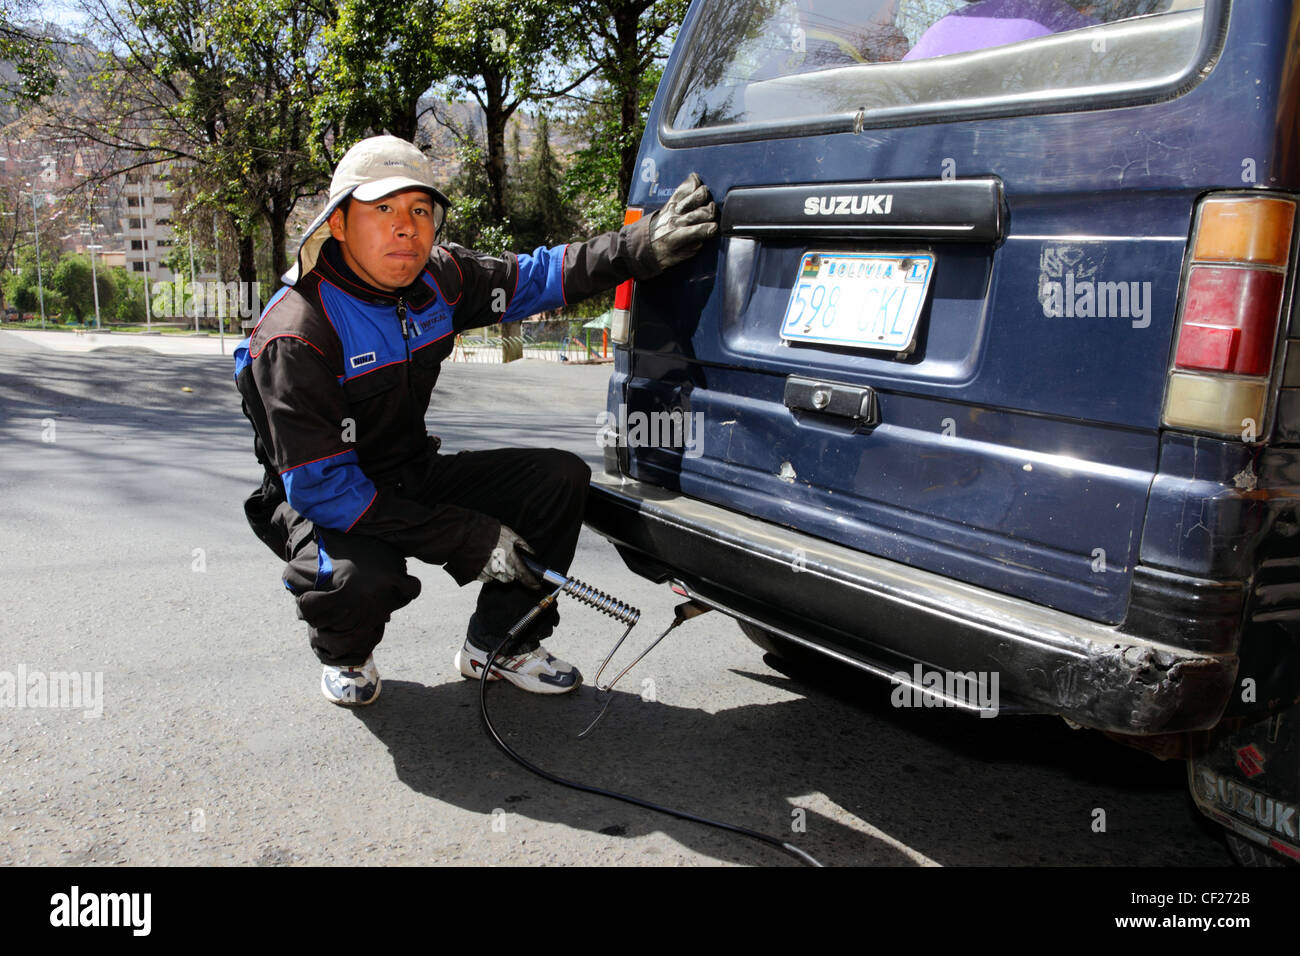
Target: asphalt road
126 555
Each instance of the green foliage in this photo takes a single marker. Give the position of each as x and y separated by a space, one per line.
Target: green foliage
628 40
526 43
177 261
470 222
71 279
580 312
503 55
274 52
591 185
30 57
22 290
380 58
223 86
128 298
259 98
541 215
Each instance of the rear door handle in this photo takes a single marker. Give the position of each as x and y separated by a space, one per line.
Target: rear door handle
854 402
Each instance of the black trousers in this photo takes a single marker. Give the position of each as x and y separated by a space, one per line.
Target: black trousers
348 585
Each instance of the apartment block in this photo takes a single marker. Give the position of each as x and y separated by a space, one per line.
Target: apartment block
145 212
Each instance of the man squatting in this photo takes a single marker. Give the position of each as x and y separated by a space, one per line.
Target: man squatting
336 379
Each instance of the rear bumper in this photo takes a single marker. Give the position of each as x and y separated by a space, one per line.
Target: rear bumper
886 617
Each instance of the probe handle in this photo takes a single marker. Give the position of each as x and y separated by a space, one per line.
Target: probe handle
540 571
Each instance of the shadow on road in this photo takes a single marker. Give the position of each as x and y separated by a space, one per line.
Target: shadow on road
756 765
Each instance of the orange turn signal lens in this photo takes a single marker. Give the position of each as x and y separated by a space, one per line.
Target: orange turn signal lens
1245 229
620 327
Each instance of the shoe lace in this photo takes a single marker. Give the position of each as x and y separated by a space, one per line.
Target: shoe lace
515 662
352 671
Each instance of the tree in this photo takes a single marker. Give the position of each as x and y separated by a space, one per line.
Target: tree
128 297
469 221
17 237
221 89
626 39
25 288
71 279
380 59
505 54
275 48
383 60
21 290
591 184
15 227
31 55
543 216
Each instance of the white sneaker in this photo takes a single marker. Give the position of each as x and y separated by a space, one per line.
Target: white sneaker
351 686
537 671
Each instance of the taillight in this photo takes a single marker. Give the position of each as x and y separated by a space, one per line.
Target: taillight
620 323
1231 301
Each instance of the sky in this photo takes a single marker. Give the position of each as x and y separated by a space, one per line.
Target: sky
67 14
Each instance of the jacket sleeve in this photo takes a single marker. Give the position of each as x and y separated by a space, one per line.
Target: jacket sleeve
305 409
510 288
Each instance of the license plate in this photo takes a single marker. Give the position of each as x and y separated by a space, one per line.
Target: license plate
862 300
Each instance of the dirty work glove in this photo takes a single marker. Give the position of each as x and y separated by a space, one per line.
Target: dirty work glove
504 565
684 223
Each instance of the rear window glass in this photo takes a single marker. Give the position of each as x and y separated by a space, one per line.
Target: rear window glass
788 61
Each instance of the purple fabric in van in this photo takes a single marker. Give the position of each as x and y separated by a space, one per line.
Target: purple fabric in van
995 23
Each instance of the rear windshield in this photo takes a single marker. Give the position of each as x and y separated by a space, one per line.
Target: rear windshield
789 61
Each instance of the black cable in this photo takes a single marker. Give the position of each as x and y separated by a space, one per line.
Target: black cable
790 848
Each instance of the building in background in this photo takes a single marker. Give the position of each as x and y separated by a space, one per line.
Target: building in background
145 218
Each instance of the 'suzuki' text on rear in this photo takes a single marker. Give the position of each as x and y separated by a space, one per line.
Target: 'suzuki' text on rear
861 205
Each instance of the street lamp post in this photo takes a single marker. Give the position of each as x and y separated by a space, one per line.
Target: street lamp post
5 214
221 290
36 233
88 233
193 286
144 261
94 279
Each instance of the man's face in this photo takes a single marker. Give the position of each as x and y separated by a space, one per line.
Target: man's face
387 242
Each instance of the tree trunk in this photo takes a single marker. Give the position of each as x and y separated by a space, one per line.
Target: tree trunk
247 260
406 122
629 118
496 116
627 21
512 341
496 167
247 279
276 221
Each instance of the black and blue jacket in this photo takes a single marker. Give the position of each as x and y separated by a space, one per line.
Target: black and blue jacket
337 375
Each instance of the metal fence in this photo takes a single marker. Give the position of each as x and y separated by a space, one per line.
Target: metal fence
551 341
563 341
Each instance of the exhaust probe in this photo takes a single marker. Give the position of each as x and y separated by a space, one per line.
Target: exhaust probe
627 615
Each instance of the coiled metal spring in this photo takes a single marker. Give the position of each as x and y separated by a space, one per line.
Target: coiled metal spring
602 602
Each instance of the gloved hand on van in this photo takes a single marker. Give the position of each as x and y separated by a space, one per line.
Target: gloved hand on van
685 223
